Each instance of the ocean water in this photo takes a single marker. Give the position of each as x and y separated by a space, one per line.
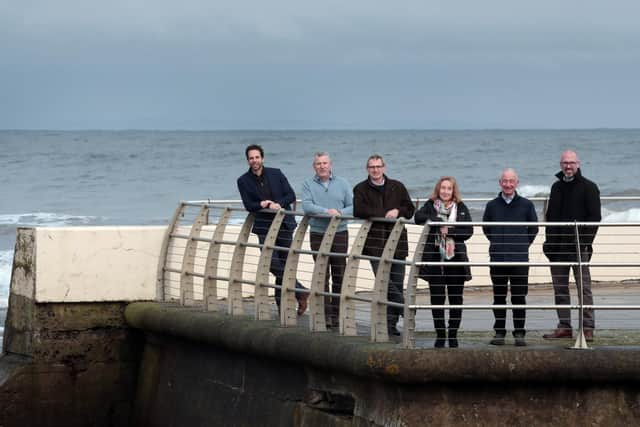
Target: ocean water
53 178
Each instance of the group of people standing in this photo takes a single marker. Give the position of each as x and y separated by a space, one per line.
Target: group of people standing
572 198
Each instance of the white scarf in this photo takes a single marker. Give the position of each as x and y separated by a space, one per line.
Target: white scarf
446 246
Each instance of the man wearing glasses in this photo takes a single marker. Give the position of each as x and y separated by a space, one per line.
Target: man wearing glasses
573 198
381 197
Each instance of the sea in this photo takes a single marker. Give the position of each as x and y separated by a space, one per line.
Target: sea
131 177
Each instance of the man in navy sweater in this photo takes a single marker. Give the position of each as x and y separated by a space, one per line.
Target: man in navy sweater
509 244
264 188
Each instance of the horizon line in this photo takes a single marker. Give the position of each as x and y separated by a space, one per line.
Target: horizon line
313 129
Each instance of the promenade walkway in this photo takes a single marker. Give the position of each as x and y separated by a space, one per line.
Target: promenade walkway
614 328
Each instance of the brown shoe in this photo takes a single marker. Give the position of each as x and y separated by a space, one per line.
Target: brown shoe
559 333
588 335
302 303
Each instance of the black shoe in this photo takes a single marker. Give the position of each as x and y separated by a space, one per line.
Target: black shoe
439 343
520 341
453 342
393 331
497 340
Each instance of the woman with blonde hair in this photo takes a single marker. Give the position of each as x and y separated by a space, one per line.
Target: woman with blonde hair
445 243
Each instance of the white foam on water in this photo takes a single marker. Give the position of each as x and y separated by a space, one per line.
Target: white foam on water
533 190
6 262
630 215
45 218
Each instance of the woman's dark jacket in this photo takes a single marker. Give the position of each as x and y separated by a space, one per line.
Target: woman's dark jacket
510 243
459 233
371 201
577 200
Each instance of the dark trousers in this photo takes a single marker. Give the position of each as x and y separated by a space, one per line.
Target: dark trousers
394 290
279 259
560 278
336 266
448 284
518 277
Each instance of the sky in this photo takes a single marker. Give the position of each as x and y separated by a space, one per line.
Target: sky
356 64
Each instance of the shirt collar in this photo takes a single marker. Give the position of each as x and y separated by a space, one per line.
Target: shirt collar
506 199
316 178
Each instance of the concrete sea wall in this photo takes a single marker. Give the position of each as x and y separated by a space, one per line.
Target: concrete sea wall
209 369
85 346
69 357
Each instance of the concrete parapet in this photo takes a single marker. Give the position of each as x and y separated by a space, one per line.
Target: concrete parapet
83 264
70 363
360 383
386 361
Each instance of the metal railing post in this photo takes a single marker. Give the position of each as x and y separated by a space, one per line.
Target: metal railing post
581 342
188 260
210 283
347 304
408 337
288 300
379 330
318 321
234 287
161 295
263 308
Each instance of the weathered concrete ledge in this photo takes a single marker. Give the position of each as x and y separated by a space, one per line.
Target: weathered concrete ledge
357 356
69 358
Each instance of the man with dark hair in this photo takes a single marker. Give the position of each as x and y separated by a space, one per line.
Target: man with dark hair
381 197
573 198
509 244
253 147
267 188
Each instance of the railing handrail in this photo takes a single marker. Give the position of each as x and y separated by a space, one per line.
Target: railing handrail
434 223
379 295
421 199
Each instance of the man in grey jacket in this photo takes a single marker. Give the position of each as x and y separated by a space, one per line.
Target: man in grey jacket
327 194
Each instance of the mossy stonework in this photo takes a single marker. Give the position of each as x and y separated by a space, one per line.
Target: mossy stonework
64 364
74 365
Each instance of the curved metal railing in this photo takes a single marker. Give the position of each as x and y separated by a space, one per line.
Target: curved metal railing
209 259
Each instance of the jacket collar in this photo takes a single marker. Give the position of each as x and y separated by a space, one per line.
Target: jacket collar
578 175
264 170
376 186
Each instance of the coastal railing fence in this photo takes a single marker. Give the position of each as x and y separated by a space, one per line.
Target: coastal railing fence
210 260
194 264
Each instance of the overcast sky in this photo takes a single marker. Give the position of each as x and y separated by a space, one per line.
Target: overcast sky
354 64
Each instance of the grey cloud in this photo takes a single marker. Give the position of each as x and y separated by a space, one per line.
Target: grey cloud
361 31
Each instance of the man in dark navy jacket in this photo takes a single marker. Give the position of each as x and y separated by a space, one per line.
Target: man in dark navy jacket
509 244
267 188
